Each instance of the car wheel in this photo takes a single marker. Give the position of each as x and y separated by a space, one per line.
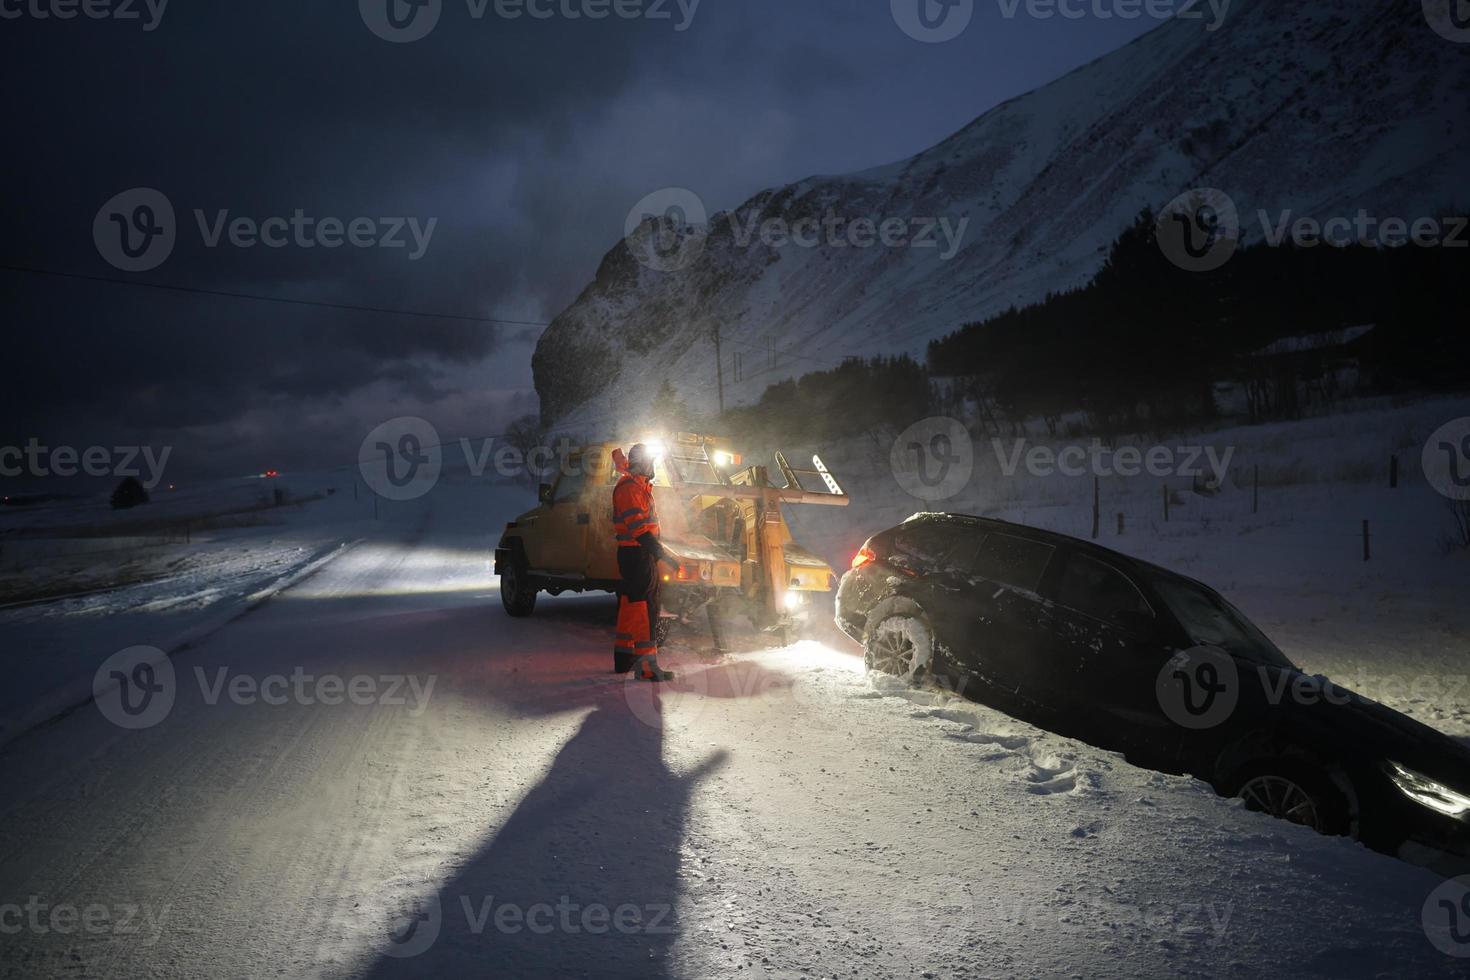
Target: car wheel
517 591
1295 793
901 645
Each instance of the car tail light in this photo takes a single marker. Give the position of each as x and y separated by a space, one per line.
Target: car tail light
863 557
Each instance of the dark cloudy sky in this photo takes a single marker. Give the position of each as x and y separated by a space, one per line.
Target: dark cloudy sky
528 140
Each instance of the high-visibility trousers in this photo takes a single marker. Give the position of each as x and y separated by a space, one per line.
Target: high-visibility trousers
637 609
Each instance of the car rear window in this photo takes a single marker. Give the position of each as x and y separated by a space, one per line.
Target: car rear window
1011 560
927 547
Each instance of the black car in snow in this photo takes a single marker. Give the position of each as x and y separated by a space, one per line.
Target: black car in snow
1127 656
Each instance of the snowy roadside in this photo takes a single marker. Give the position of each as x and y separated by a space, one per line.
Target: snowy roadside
892 832
173 595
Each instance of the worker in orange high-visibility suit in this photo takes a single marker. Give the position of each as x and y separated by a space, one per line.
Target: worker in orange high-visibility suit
639 551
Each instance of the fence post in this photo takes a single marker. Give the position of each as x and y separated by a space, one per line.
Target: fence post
1096 513
1366 552
1256 488
1393 471
1166 501
1120 523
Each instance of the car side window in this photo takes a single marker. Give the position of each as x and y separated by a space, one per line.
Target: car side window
925 548
1101 591
1011 560
569 487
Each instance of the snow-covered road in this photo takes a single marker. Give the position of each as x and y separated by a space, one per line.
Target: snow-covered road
378 773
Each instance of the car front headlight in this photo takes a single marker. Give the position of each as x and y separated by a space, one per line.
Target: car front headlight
1428 792
795 600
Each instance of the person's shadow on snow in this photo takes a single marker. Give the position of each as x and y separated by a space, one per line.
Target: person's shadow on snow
583 880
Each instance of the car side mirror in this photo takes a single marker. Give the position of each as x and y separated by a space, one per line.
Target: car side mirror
543 493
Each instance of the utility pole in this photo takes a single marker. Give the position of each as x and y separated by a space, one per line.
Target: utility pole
719 369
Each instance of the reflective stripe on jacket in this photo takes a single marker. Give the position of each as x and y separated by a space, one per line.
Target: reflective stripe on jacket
633 511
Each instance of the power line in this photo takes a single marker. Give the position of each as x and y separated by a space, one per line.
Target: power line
262 298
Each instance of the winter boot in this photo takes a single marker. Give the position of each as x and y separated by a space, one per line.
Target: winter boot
653 672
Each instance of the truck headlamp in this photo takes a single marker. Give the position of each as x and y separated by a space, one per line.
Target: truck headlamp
1428 792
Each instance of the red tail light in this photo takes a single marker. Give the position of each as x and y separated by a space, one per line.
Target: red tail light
863 557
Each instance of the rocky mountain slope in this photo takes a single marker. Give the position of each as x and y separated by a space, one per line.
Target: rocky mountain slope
1323 109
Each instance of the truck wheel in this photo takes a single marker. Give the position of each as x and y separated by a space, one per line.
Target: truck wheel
517 591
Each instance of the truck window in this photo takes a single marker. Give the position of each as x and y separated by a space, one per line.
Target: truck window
569 487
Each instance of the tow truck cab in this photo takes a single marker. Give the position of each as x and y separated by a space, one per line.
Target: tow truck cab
720 521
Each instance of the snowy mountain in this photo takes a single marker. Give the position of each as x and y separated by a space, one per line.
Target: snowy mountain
1323 109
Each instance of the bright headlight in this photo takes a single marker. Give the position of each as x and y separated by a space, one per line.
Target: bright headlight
793 600
1427 792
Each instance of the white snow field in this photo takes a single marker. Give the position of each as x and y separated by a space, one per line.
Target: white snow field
378 773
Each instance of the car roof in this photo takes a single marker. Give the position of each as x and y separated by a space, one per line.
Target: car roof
1055 538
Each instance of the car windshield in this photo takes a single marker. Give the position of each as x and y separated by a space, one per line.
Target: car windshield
1210 620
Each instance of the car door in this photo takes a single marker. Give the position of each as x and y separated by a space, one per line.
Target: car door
562 530
995 611
601 565
1107 642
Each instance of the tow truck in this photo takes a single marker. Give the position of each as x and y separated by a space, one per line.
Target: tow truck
721 521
